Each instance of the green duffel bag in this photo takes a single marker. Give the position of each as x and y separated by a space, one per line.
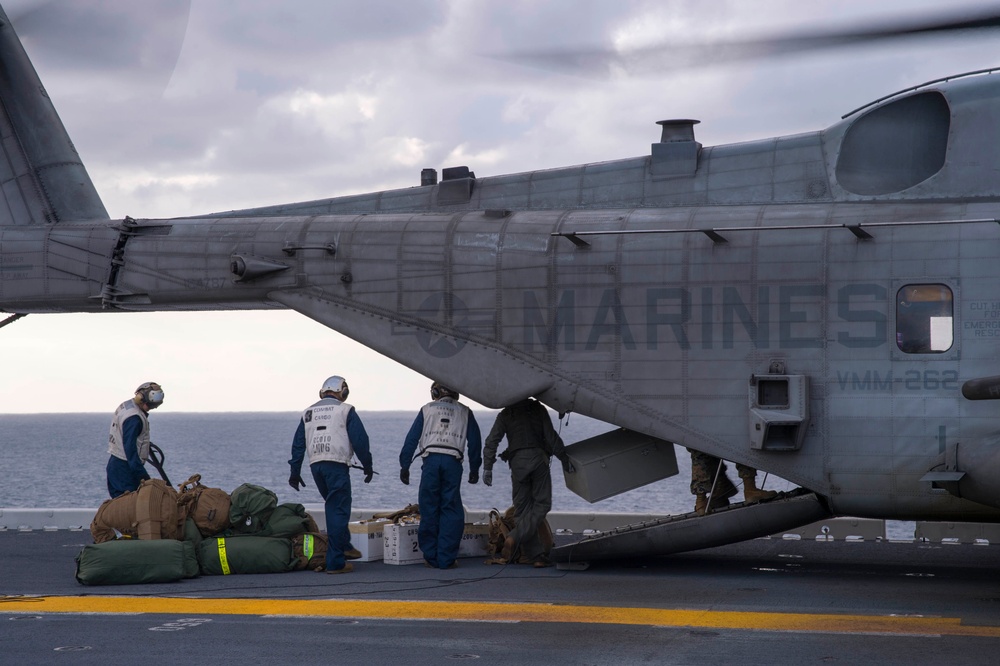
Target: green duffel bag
287 521
133 561
191 532
246 555
250 506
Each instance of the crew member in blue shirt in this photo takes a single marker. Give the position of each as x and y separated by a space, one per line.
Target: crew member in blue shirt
440 434
128 442
330 433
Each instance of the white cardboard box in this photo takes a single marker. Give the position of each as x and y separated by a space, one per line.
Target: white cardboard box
369 538
400 544
474 540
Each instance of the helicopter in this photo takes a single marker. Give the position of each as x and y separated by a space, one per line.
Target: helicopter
818 306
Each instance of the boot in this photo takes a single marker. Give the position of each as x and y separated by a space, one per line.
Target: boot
507 553
753 494
717 501
703 504
724 490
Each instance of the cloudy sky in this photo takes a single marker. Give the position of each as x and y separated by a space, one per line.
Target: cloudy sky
183 108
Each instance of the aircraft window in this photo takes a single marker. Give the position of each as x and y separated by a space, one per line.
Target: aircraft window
895 146
924 316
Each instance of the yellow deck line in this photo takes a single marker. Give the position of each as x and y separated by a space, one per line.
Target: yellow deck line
503 612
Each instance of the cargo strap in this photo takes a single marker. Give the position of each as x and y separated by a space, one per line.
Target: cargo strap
222 557
307 546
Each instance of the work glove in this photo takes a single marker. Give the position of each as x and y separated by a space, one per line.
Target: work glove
295 481
474 477
567 465
369 473
404 476
488 477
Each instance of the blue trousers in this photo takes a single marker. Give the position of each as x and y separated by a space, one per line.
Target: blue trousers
333 480
442 516
121 478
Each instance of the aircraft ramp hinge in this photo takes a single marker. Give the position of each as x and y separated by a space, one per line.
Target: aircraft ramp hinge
290 249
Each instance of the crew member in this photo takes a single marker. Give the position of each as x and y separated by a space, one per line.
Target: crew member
531 440
128 442
440 434
330 432
705 468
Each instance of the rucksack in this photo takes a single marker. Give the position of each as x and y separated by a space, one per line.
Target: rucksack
250 507
157 515
208 507
502 525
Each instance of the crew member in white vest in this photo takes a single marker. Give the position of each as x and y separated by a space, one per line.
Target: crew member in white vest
128 442
330 433
442 433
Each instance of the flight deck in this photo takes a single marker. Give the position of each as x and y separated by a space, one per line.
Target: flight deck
834 596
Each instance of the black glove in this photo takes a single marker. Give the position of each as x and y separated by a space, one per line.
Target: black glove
295 481
369 473
488 477
567 465
404 476
474 476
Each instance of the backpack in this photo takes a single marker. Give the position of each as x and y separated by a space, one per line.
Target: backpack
250 507
208 507
157 515
310 549
288 520
115 519
502 525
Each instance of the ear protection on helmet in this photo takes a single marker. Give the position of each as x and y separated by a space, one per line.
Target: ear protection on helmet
335 384
150 393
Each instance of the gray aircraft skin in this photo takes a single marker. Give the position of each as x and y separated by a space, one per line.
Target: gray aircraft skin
822 307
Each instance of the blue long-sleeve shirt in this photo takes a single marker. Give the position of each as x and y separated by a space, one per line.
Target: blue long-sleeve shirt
131 430
473 437
356 433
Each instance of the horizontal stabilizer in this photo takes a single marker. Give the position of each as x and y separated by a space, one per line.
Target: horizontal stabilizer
42 179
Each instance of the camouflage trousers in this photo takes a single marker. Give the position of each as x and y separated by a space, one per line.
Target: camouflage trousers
703 470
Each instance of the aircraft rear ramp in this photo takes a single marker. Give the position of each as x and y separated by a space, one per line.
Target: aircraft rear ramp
677 534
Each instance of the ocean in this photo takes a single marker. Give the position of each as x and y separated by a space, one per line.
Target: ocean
58 460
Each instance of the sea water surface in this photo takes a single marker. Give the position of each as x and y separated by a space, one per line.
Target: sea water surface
58 460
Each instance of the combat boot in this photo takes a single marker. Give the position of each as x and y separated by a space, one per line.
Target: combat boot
700 504
718 502
753 494
724 489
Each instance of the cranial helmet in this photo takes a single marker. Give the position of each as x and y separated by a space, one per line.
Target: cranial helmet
335 384
439 390
151 394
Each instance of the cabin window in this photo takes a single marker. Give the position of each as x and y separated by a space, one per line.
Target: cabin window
924 319
895 146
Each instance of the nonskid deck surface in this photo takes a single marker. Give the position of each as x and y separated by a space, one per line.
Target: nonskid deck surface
895 602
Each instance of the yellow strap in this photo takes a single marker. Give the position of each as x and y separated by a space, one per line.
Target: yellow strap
307 546
222 556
